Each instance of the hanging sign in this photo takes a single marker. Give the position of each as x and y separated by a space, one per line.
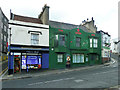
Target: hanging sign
68 57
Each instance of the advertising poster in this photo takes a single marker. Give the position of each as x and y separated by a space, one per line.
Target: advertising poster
32 59
23 62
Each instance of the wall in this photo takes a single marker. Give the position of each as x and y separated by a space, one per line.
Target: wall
20 35
90 26
70 47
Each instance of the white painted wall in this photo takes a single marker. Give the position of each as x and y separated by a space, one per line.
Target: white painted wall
115 47
105 52
20 35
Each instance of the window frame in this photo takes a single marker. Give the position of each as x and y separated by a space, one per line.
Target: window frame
93 42
32 40
60 40
60 58
78 42
78 58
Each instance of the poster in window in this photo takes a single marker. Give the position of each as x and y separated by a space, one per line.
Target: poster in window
23 62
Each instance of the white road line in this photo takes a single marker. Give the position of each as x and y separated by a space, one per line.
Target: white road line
3 74
78 80
57 80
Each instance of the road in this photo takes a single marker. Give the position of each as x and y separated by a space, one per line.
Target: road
99 77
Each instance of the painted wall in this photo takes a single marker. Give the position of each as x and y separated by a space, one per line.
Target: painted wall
70 47
20 35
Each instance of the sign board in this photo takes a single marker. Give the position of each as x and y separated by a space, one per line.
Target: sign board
68 57
32 60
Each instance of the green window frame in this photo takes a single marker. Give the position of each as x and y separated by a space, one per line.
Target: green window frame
60 58
78 58
78 41
60 40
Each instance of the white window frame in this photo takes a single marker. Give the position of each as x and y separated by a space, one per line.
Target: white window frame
60 58
32 40
95 43
78 58
91 42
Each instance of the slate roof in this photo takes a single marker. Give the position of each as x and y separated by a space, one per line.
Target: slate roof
68 26
104 32
26 19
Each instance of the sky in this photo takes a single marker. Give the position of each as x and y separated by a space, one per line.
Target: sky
104 12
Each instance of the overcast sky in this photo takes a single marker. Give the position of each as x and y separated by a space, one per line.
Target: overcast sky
104 12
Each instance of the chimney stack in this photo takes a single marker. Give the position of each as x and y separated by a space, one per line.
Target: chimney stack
44 15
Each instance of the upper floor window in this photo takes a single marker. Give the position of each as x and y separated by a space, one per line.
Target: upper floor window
4 38
62 40
5 28
77 42
93 43
34 39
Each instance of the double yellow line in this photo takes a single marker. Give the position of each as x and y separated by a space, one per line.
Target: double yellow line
3 71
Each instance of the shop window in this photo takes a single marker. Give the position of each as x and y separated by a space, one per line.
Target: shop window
78 58
62 40
77 42
34 39
86 58
60 58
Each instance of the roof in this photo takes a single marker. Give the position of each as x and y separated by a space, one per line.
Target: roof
3 14
103 32
26 19
63 25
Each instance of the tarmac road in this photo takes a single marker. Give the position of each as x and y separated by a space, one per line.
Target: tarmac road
98 77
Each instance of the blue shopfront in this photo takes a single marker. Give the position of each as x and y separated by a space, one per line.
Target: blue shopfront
26 59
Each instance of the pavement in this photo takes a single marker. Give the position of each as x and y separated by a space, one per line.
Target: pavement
38 73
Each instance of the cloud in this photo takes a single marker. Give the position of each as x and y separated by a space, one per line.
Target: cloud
70 11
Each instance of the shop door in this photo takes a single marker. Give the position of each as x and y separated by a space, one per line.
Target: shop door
16 63
93 59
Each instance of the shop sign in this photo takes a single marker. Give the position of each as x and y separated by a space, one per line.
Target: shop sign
68 57
32 60
92 34
60 30
78 32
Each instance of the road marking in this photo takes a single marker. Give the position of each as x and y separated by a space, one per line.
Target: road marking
105 72
77 81
57 80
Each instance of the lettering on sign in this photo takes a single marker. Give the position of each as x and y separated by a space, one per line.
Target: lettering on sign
60 30
92 34
78 32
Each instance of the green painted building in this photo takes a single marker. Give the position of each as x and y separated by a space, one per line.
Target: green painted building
82 47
